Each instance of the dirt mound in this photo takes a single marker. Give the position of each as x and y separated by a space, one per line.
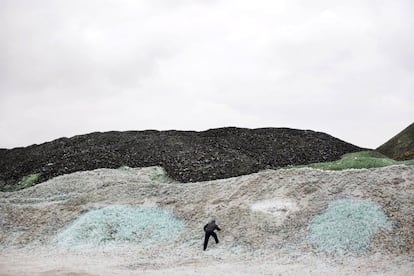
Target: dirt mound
187 156
401 146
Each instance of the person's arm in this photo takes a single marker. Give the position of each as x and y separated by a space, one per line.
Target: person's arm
218 228
205 226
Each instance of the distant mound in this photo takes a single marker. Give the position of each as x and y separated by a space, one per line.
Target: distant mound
359 160
401 146
187 156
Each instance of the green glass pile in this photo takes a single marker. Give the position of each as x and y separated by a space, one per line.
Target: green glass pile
347 226
121 224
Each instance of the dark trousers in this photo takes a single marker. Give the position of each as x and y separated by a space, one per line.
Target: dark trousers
207 236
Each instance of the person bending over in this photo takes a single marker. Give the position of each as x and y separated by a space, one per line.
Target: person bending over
209 229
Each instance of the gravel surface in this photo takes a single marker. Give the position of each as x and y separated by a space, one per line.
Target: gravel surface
264 218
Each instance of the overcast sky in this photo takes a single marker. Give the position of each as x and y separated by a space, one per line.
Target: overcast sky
73 67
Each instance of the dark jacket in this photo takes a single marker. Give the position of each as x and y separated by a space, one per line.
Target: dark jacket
211 226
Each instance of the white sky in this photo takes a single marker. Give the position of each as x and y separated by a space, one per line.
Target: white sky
73 67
